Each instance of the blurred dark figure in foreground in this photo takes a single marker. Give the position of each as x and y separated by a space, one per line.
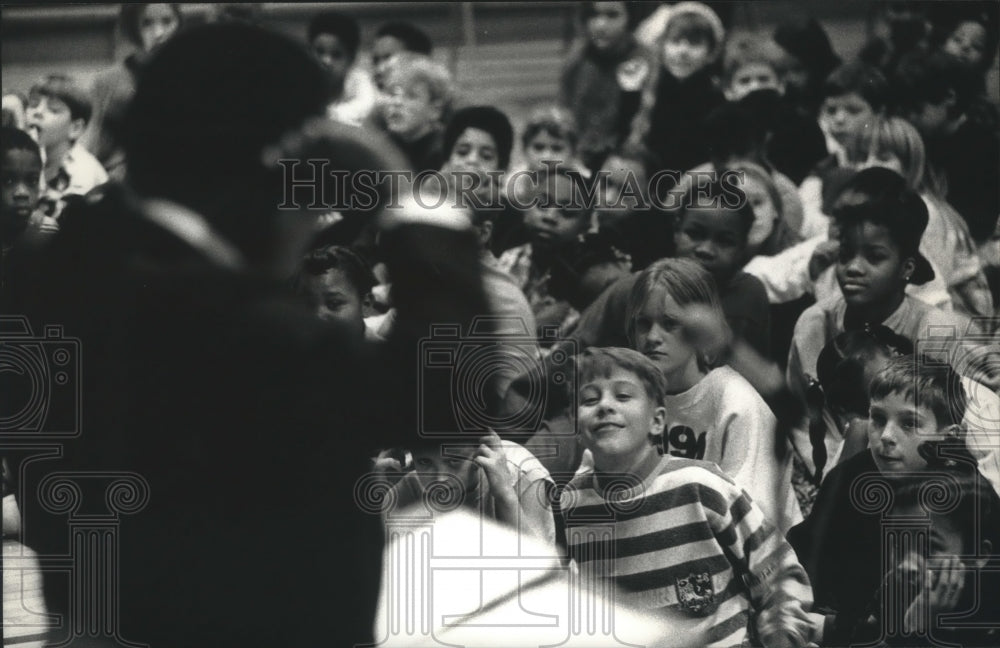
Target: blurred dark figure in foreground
249 419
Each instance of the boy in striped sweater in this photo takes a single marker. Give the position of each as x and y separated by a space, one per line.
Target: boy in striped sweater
673 534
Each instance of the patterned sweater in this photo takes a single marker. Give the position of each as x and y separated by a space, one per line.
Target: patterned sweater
685 540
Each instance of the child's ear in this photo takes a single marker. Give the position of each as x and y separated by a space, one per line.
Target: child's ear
908 268
953 431
76 129
659 421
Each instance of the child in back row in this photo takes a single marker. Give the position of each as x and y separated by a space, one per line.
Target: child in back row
58 113
680 91
686 541
895 144
712 413
714 235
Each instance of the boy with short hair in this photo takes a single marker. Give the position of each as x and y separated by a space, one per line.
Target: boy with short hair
853 95
685 538
915 430
58 114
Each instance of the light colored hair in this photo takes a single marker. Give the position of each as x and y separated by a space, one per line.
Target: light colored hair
686 281
408 68
897 136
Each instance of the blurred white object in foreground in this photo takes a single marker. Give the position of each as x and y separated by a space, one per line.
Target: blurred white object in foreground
462 580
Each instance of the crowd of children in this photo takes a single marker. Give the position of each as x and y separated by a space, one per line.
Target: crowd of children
779 294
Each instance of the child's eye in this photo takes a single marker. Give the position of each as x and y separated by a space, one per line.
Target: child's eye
455 463
877 421
642 324
623 396
424 462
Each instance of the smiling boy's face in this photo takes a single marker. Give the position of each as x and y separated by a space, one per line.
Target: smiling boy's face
616 417
897 428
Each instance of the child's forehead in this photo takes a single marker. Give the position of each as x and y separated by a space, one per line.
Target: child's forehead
852 98
713 217
755 67
903 401
689 26
449 450
610 373
21 159
867 232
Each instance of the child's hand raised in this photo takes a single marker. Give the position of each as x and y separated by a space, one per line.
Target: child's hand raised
491 459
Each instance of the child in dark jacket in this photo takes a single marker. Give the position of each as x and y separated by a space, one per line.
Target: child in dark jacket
603 77
681 91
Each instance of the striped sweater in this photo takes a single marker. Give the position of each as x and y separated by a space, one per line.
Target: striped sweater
686 540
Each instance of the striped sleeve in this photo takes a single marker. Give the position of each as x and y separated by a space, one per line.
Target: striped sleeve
770 568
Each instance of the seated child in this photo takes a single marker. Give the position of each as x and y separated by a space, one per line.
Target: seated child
20 223
338 284
21 170
58 113
334 38
893 143
937 94
415 107
838 398
588 267
681 90
914 428
602 78
717 237
554 219
550 137
628 210
807 60
971 37
949 575
713 413
852 96
497 478
392 39
686 540
770 233
878 248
